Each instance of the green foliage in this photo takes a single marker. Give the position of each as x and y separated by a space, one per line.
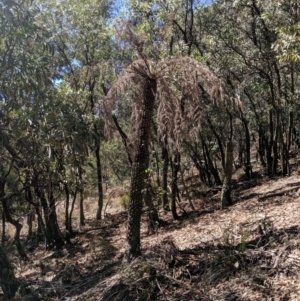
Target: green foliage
59 59
115 164
288 43
124 201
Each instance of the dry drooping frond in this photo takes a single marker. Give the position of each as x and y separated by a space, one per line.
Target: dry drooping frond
130 81
181 85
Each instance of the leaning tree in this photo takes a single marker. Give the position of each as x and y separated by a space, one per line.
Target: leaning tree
179 86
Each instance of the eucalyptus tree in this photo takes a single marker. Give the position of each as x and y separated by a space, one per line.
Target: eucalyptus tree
27 75
241 44
83 54
288 38
288 52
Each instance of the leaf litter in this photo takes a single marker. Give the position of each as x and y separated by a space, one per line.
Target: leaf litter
250 251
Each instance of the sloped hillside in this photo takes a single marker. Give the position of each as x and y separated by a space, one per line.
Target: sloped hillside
250 251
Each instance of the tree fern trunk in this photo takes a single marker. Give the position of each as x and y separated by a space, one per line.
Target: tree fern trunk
139 171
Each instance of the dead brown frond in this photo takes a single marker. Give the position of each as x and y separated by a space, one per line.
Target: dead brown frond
182 84
129 82
127 37
135 282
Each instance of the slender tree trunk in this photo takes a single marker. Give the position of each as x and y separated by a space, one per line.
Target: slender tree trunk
275 144
71 214
284 154
99 181
195 156
3 229
152 214
261 146
155 153
174 186
226 189
269 145
53 235
139 171
211 165
12 221
81 199
31 208
186 189
52 219
208 180
92 84
219 141
67 209
47 229
30 219
290 130
165 157
291 114
68 217
41 228
8 282
248 167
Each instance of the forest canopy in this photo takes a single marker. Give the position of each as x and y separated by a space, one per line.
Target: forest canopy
145 95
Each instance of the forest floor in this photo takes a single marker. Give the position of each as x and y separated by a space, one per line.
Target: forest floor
250 251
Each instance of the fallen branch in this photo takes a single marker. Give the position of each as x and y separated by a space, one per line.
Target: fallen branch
276 194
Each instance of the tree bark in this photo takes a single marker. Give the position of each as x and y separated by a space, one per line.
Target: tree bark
248 167
165 157
186 189
67 207
269 145
139 171
152 214
275 144
219 141
210 164
41 228
52 232
99 181
71 214
81 200
3 229
174 186
226 189
12 221
9 283
52 219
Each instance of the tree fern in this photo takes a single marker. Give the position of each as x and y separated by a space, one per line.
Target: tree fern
179 86
181 83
